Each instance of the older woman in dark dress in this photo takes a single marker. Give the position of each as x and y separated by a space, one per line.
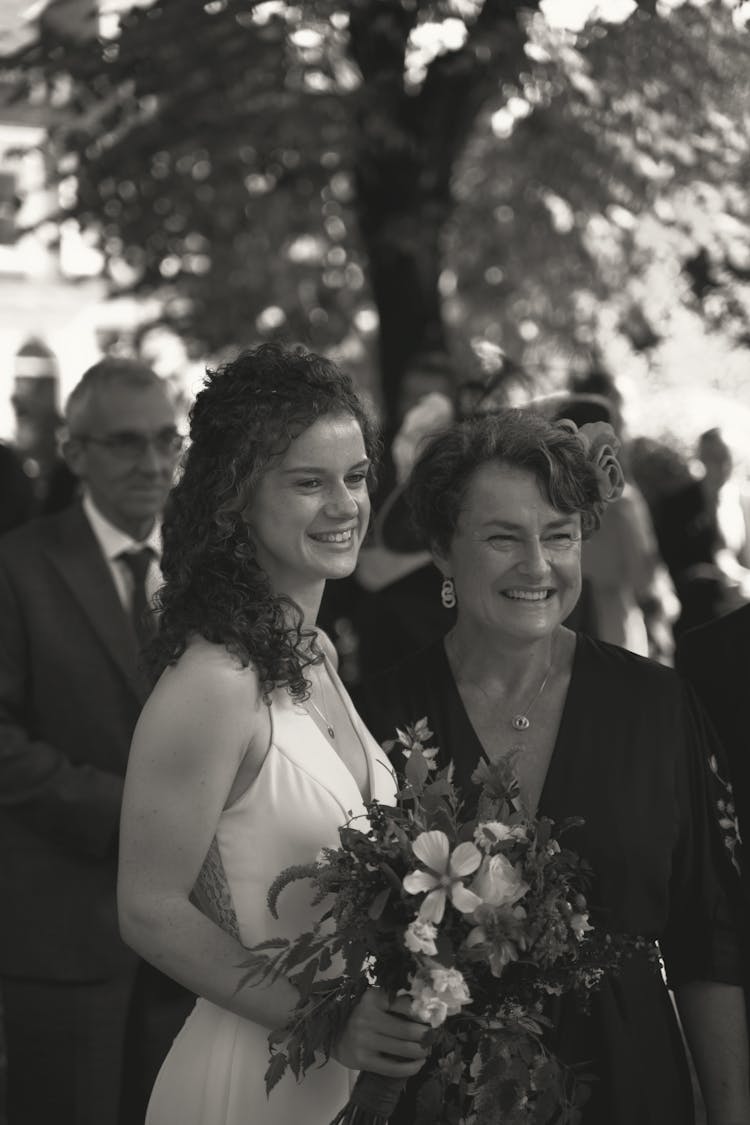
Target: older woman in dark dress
504 501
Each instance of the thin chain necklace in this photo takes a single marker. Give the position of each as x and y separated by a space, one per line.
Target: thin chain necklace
313 704
521 720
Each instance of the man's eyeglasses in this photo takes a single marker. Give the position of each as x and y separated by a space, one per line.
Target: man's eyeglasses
128 446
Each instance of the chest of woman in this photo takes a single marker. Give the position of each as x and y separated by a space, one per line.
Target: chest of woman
603 755
527 741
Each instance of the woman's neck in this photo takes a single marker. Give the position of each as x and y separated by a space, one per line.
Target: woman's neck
492 662
307 600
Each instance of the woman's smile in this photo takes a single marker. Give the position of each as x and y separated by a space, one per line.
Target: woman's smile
344 537
528 595
514 559
296 515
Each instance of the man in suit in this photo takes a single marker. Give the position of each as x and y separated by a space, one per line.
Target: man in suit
16 492
73 609
716 659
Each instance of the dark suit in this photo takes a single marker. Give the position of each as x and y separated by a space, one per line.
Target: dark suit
70 695
716 659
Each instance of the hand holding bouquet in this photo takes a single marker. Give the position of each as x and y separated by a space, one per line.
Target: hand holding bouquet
474 922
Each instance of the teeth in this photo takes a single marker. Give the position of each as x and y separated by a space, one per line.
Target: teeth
334 536
527 595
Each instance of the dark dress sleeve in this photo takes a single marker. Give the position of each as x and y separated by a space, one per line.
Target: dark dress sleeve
700 940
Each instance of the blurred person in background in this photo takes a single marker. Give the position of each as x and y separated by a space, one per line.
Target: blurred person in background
634 602
702 529
398 606
74 590
16 492
37 443
731 504
716 659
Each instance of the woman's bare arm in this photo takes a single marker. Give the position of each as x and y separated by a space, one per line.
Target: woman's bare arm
713 1018
204 729
204 720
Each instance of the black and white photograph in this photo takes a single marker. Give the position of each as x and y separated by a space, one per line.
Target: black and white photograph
374 562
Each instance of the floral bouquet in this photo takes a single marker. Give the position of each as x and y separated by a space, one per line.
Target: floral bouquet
479 920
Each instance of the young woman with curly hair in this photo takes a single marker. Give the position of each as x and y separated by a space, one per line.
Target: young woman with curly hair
249 755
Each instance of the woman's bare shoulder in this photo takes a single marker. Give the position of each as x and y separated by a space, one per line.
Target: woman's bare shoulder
207 674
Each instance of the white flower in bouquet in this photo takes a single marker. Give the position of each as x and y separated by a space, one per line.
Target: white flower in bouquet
429 1008
444 876
498 882
420 937
579 924
438 993
451 987
492 832
500 952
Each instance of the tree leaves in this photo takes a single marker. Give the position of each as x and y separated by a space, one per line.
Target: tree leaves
490 201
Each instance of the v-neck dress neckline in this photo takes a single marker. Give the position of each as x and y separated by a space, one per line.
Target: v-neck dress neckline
355 723
473 742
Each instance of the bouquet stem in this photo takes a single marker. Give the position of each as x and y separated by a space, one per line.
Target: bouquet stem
372 1100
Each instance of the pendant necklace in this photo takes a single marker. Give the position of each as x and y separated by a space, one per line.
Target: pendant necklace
326 722
521 721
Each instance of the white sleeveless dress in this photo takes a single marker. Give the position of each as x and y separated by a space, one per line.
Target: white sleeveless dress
214 1073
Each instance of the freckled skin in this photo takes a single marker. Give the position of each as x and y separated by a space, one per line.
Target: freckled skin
317 488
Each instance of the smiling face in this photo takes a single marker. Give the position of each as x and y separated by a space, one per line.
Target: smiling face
310 511
514 559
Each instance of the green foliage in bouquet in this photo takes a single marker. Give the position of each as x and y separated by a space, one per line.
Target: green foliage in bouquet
479 918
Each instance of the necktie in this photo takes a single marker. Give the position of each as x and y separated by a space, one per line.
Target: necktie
137 563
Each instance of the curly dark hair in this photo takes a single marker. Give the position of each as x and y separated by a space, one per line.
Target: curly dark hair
248 412
519 438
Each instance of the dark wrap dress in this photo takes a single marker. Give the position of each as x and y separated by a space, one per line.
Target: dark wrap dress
632 759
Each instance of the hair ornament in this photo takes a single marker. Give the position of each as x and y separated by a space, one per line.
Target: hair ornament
601 446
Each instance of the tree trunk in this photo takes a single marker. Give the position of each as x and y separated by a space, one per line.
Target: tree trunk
408 143
403 247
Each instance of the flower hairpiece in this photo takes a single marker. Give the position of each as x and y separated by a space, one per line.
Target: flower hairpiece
601 446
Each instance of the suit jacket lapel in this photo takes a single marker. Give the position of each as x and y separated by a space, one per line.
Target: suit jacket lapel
79 560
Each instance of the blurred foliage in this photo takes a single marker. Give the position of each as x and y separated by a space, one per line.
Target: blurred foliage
619 197
431 175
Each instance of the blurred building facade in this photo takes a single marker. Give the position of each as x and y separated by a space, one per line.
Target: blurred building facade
55 317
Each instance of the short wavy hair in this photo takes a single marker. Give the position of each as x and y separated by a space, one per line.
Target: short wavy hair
97 380
518 438
247 414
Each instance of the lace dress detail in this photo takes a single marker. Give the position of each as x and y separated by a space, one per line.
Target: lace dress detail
211 893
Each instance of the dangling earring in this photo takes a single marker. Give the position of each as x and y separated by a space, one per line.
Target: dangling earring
448 593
